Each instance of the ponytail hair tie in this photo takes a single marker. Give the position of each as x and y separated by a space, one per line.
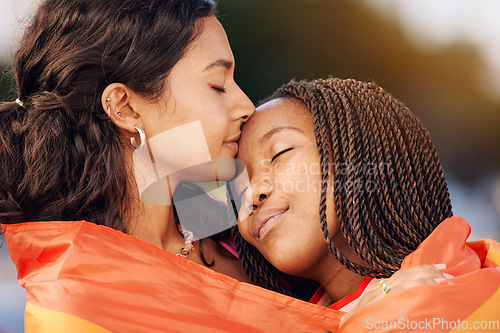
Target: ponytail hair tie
19 102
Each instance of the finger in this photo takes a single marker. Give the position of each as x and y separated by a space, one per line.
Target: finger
413 283
417 272
440 266
446 277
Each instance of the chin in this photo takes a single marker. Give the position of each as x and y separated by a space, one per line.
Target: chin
291 268
288 263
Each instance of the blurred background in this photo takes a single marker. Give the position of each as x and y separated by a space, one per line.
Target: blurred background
439 57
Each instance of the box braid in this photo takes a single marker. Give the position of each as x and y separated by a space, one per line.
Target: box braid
358 124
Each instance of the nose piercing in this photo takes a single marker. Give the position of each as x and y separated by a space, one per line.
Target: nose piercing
253 207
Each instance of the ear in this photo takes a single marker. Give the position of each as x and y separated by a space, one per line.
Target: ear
117 100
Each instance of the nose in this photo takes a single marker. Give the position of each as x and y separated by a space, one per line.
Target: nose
261 191
244 107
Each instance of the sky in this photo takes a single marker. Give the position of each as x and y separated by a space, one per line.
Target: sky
434 23
14 15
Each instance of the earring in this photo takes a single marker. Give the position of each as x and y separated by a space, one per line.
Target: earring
119 113
109 106
141 134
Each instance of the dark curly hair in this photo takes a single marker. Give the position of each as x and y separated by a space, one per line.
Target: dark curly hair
60 156
383 215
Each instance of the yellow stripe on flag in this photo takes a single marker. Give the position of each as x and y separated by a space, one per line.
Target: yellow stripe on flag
41 320
481 320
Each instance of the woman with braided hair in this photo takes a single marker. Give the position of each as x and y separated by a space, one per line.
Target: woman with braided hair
345 188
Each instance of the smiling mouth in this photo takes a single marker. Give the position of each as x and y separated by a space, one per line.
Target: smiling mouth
269 222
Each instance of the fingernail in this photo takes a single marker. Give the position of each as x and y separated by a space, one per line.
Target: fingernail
448 276
440 266
439 279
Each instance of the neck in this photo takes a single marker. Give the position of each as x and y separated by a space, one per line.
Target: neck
340 282
337 280
156 225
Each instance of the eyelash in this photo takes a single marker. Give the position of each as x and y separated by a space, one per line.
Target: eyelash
280 153
220 90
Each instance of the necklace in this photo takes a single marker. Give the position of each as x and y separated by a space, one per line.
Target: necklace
188 243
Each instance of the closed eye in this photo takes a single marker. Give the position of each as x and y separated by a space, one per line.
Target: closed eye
219 89
280 153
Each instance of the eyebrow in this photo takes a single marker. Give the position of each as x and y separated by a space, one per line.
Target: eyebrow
220 63
277 130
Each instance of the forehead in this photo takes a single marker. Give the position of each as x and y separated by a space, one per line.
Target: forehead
211 43
273 114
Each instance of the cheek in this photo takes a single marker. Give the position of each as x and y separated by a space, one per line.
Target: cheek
215 134
244 229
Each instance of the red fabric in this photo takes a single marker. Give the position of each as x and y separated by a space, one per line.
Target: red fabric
318 295
125 285
349 298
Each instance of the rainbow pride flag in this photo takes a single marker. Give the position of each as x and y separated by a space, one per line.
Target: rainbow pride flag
81 277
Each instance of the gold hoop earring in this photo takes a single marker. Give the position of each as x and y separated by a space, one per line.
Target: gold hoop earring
143 138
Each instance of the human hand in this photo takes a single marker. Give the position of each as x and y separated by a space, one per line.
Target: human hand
401 280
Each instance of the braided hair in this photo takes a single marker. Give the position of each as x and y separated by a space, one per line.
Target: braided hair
389 187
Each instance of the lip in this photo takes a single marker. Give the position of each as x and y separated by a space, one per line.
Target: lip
234 138
267 219
232 144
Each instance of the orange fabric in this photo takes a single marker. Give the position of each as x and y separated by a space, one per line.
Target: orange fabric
100 276
56 322
473 295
